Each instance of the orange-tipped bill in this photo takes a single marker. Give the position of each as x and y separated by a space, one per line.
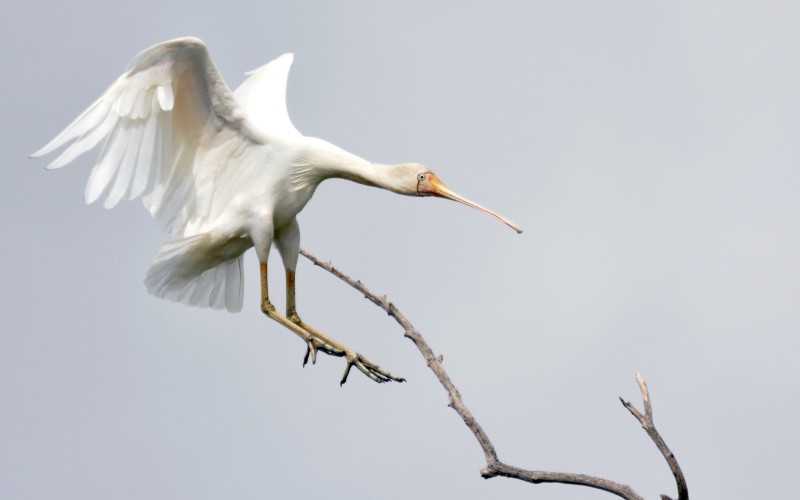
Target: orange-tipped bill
430 185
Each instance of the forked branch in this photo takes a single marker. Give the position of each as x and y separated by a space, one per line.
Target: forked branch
647 424
494 467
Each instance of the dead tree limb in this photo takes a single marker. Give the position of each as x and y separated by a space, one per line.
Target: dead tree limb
494 467
647 424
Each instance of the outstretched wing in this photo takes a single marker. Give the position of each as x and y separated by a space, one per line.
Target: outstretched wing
263 95
169 106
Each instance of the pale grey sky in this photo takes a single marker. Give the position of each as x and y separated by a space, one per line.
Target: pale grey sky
650 151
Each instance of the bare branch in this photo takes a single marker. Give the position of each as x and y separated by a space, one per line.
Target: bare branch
647 424
434 362
494 467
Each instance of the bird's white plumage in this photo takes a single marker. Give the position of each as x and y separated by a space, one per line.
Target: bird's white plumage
173 276
176 136
220 179
263 96
152 136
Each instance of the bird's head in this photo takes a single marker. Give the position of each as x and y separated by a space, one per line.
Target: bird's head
428 184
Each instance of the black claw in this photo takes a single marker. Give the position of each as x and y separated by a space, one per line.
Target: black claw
311 350
346 373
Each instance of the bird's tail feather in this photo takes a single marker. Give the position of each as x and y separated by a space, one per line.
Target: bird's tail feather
182 275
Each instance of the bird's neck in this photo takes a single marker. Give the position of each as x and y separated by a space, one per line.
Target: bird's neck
333 162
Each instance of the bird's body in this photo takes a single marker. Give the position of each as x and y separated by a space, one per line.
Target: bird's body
223 172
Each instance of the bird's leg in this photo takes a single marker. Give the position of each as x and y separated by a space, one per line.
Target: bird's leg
367 367
318 341
291 313
268 308
315 343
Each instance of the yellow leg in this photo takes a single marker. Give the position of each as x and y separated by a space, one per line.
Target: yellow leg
269 309
314 339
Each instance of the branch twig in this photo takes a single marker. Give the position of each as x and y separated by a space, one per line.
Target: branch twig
494 467
647 424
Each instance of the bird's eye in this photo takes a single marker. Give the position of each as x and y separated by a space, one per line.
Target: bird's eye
421 177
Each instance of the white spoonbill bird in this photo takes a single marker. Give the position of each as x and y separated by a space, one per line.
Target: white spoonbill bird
222 171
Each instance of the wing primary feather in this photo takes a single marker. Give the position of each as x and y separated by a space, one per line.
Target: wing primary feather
85 142
176 189
103 172
86 121
161 157
144 164
124 103
133 136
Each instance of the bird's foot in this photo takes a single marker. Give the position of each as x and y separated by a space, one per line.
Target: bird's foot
315 341
368 368
313 344
318 341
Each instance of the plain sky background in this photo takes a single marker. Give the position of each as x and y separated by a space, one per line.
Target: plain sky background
650 150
